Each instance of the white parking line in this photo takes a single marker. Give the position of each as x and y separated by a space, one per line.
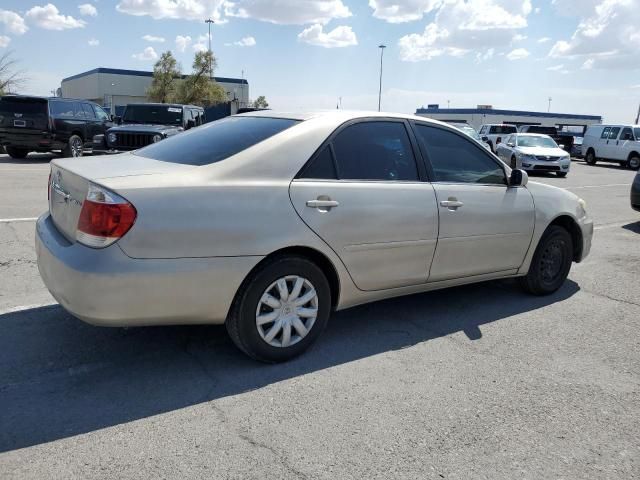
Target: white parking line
601 186
21 308
16 220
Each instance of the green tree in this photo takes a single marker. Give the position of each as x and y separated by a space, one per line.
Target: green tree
261 102
10 77
166 74
199 88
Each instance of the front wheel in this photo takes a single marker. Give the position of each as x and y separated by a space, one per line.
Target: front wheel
18 153
550 264
514 163
590 158
280 310
634 163
74 147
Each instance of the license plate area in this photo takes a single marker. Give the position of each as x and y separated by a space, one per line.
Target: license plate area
19 123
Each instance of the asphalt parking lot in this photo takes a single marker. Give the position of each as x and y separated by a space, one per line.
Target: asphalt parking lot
480 381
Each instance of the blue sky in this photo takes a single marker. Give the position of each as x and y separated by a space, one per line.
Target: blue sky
301 54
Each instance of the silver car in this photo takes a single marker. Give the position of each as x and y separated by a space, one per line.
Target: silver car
534 152
268 222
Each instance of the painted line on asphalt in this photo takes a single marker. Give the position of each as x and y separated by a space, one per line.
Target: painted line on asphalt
22 308
600 186
17 220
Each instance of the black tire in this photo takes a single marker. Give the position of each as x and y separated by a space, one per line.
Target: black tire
18 153
550 264
634 162
491 147
74 147
241 322
590 157
514 162
561 174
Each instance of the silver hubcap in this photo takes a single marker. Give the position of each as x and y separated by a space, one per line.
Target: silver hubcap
634 162
287 311
76 148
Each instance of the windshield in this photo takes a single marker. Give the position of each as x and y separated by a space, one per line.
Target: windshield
156 114
471 132
28 106
215 141
543 130
502 129
536 142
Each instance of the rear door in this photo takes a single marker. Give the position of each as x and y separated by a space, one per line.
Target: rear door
485 226
366 196
64 118
93 126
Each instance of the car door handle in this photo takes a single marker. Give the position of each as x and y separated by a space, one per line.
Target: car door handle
451 204
322 203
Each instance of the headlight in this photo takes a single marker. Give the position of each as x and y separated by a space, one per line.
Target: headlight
112 138
157 138
526 158
583 207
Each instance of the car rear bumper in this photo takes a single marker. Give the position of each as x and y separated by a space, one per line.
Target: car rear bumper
31 141
106 287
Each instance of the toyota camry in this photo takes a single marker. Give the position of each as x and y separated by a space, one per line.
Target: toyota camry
268 222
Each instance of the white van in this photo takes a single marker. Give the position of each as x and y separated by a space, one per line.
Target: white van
612 143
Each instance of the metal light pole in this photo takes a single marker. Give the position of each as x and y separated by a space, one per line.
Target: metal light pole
549 109
209 21
381 47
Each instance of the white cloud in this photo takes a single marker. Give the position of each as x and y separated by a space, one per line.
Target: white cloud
13 22
400 11
182 42
555 68
49 18
544 39
286 12
88 10
243 42
484 56
93 42
607 35
147 54
519 38
152 38
4 41
462 26
536 10
341 36
202 44
518 54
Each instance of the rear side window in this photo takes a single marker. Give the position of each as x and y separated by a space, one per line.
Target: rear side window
61 109
215 141
321 167
375 151
455 158
25 106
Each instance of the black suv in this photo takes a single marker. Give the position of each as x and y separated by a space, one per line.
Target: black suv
39 124
145 123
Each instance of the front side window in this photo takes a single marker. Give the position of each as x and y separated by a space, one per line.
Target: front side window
88 111
79 112
153 114
375 151
636 131
456 159
215 141
100 113
626 134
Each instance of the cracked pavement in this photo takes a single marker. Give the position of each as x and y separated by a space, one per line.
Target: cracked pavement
480 381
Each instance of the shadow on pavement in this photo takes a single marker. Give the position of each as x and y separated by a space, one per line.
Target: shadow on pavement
61 377
632 227
32 158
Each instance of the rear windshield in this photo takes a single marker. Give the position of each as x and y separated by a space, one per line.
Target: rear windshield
215 141
25 106
503 129
155 114
543 130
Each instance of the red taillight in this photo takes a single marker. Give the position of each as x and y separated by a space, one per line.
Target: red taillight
104 218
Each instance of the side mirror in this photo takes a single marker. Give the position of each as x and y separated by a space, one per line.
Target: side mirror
511 144
562 147
117 119
485 139
518 178
190 124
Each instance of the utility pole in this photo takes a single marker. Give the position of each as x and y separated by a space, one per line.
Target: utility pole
638 116
549 109
209 21
448 104
381 47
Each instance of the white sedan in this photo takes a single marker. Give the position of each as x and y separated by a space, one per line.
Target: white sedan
534 152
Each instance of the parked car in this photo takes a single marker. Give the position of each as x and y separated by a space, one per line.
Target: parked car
145 123
576 143
493 134
635 193
564 141
39 124
534 152
469 130
269 221
612 143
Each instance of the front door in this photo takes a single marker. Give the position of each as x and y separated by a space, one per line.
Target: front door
364 196
485 226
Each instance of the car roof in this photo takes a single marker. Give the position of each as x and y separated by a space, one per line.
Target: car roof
40 97
526 134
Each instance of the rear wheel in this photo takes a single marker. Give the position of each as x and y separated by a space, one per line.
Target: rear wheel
74 147
634 162
514 163
551 262
280 310
16 152
590 158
